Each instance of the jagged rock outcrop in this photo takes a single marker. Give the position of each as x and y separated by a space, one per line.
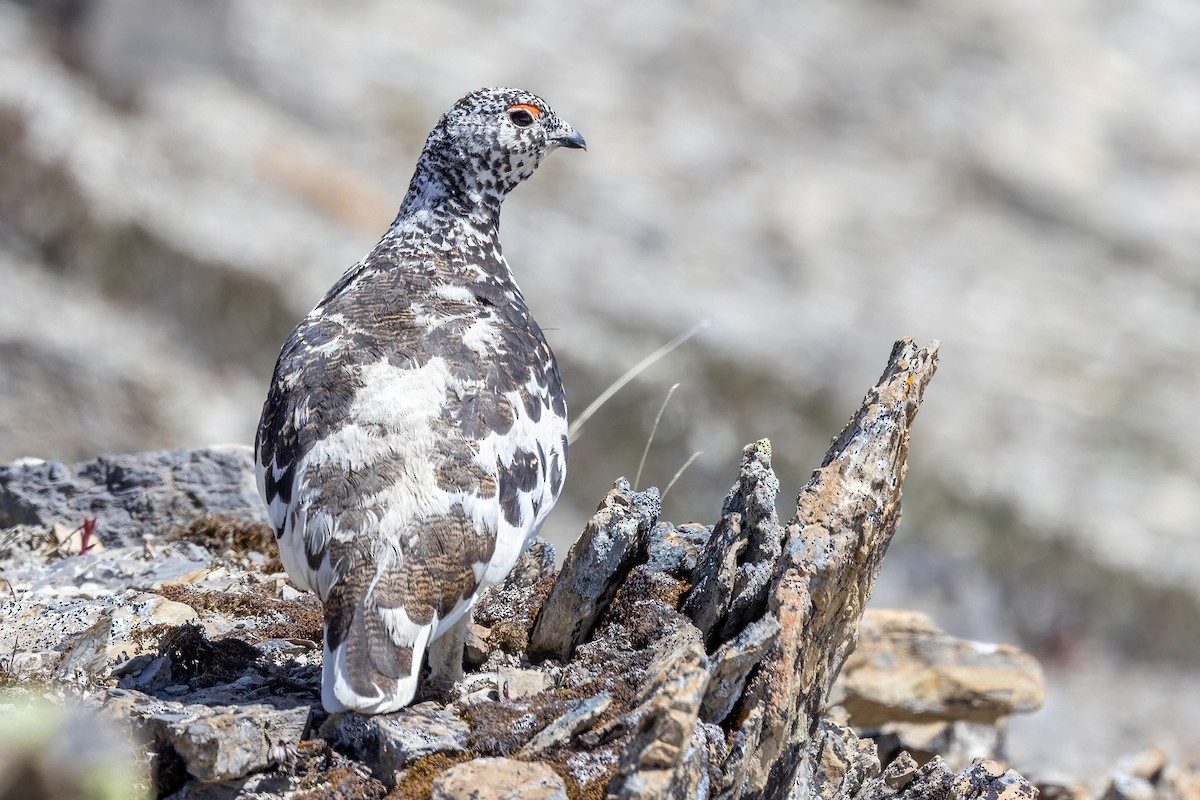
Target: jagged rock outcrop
660 661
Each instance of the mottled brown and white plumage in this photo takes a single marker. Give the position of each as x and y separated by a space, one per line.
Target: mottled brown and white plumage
414 436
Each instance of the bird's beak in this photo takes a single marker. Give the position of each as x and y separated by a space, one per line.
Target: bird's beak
573 140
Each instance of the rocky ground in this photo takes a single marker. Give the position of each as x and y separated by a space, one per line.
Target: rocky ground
180 180
735 660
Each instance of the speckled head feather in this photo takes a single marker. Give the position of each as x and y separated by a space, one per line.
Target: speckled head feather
486 144
414 435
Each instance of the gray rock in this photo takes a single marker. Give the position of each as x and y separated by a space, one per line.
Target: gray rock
146 673
79 635
215 743
732 664
677 549
499 779
667 711
577 719
390 743
593 570
733 578
416 732
131 496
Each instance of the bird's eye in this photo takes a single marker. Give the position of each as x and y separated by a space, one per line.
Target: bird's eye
522 114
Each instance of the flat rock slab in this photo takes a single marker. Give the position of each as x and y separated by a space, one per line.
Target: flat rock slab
907 669
499 779
216 743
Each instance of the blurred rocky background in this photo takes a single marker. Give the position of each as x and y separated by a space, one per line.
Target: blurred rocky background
180 181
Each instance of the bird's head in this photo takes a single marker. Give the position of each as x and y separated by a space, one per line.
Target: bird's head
492 139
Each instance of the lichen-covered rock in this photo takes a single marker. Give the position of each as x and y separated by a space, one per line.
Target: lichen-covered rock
991 780
667 710
593 570
845 518
735 575
504 615
842 764
575 720
732 664
390 743
215 743
677 549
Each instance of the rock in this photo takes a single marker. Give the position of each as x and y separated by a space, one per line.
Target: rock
131 497
1140 776
146 673
904 780
577 719
390 743
499 779
845 517
732 664
593 570
215 743
139 611
906 669
80 636
535 562
843 763
984 780
667 709
86 653
514 683
503 616
990 780
959 743
732 580
677 550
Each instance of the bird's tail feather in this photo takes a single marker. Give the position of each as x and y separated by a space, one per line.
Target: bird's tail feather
372 655
370 671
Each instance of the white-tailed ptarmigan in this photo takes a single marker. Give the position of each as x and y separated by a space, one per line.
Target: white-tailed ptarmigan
415 433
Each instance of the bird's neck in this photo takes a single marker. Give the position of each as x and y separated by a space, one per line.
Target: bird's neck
442 190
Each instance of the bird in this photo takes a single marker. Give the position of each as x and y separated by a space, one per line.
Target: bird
414 434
